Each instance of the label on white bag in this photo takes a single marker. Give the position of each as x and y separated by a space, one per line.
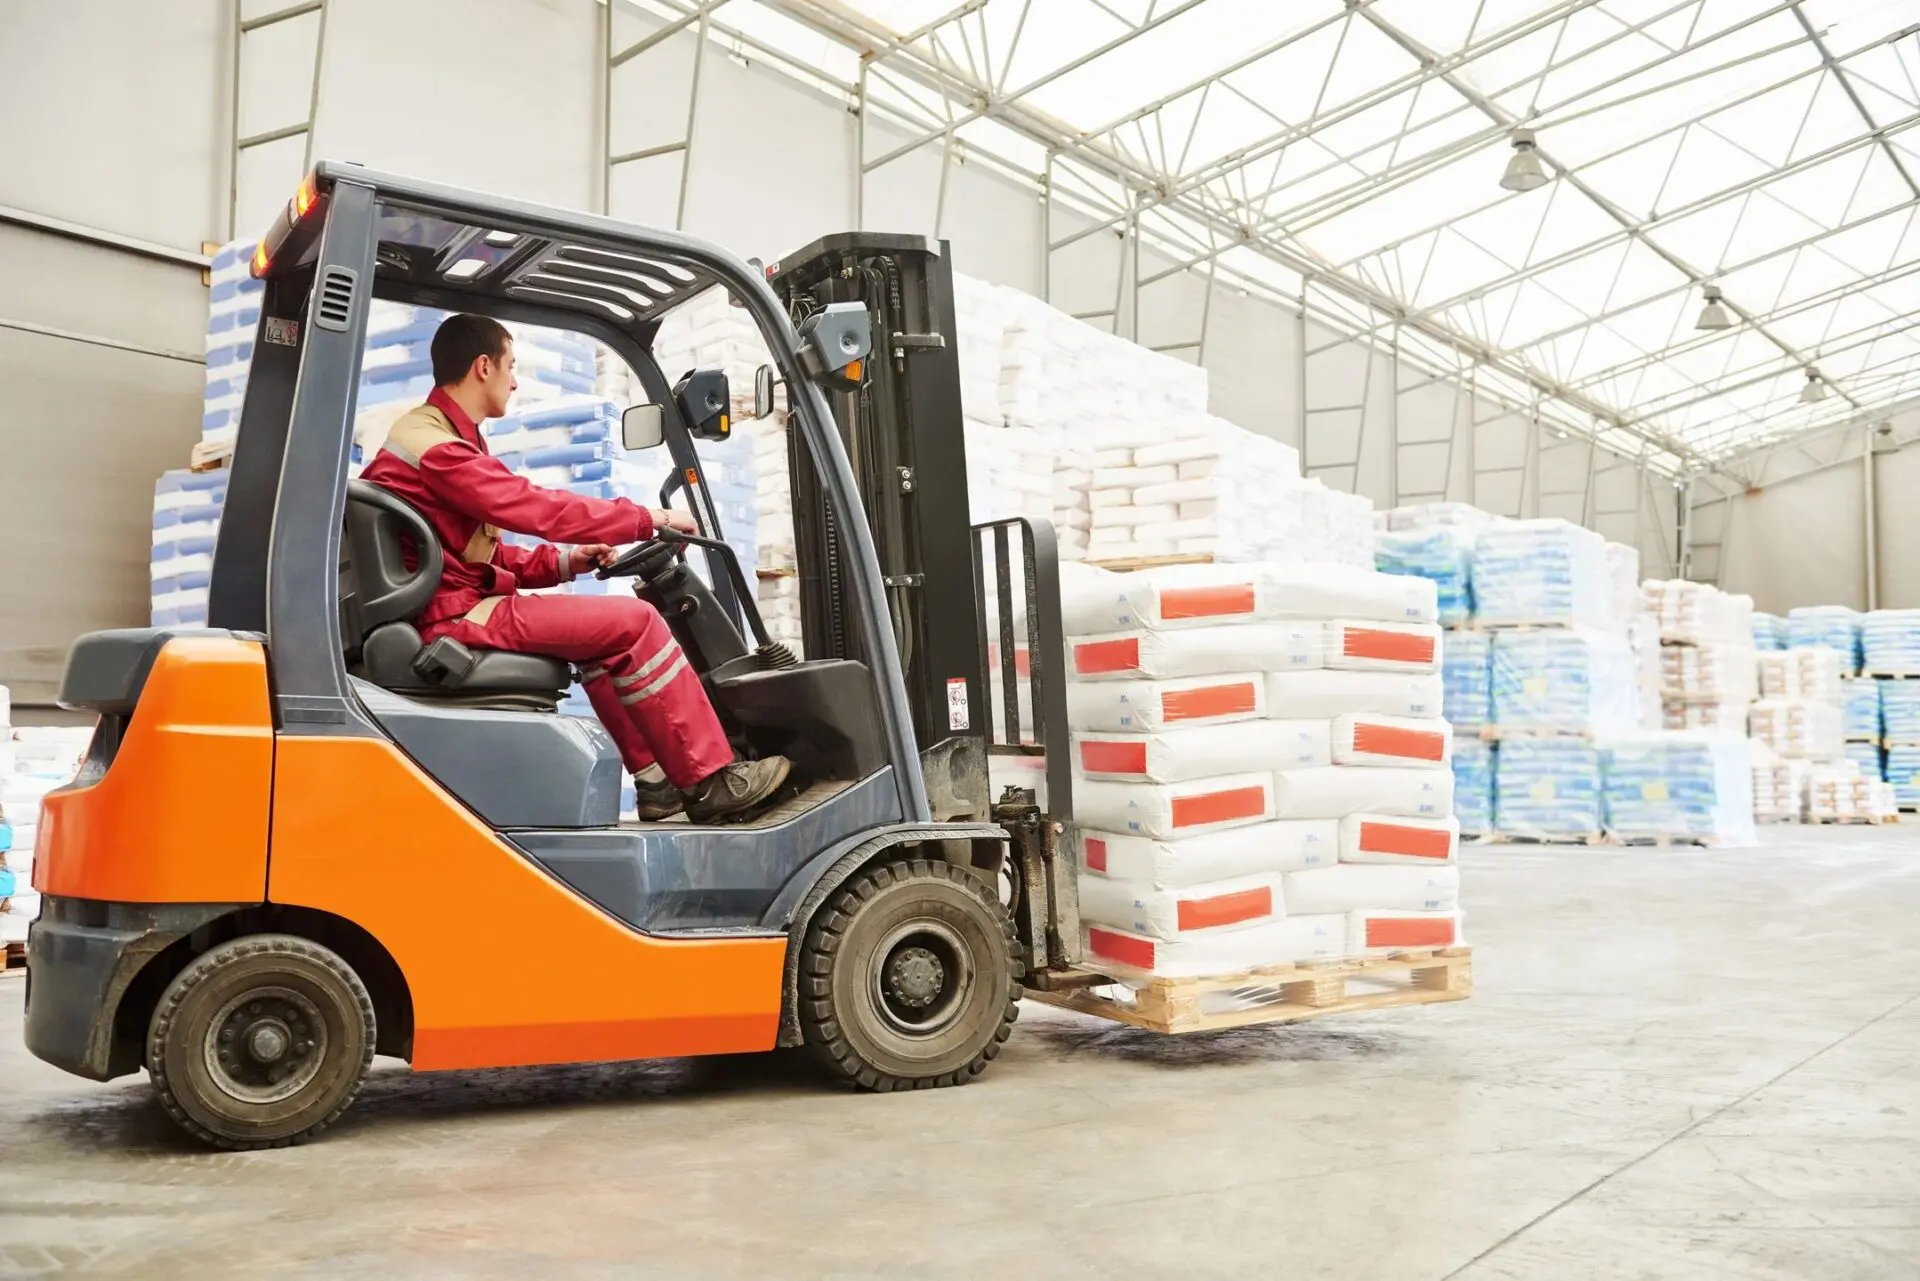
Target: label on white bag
957 714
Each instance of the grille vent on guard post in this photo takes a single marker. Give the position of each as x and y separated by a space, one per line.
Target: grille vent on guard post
336 299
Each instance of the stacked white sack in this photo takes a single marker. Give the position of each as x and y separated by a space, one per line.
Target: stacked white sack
1809 674
1800 729
1779 787
1698 613
1084 392
1837 792
1243 731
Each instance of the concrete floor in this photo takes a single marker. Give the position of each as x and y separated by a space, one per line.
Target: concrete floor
1678 1064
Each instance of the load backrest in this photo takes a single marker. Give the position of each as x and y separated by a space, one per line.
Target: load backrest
376 587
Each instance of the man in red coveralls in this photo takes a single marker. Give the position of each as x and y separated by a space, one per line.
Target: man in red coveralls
640 683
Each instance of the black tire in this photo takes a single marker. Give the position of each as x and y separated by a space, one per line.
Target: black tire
910 978
261 1042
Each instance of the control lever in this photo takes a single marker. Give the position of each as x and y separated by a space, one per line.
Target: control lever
732 561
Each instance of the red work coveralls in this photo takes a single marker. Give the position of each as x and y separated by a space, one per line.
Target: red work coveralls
635 673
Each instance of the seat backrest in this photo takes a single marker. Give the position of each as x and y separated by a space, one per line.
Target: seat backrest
376 587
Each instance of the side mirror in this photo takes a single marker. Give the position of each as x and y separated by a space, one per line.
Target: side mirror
763 391
834 344
706 403
642 427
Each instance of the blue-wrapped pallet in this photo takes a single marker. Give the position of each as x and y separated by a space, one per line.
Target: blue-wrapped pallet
1547 789
1441 554
1833 626
1466 675
1678 786
1473 765
1890 642
1860 708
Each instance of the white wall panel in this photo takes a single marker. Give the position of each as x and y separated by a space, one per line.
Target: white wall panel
115 114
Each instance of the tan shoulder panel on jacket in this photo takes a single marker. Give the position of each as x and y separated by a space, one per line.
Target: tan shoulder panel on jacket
417 431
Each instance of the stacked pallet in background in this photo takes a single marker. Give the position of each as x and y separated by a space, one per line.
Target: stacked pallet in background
1087 398
33 761
1262 769
1838 792
1833 627
1678 785
1769 631
1562 674
1900 722
1860 724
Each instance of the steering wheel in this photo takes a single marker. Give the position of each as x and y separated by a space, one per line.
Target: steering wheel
627 564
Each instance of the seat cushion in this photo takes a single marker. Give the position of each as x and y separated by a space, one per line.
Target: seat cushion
518 673
388 656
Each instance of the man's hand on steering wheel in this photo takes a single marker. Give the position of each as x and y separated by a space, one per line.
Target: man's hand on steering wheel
588 556
667 518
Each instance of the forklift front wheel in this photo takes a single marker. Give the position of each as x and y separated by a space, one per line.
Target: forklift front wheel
261 1042
911 977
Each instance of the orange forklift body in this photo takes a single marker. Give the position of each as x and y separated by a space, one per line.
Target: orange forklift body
191 786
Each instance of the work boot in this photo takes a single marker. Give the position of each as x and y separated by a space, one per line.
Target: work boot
653 802
733 790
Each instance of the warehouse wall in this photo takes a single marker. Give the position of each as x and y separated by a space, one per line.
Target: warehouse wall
1801 540
505 95
110 123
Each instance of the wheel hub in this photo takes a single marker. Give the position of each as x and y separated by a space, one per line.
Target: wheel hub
915 975
921 977
265 1045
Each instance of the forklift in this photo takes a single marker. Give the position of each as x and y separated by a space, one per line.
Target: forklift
298 830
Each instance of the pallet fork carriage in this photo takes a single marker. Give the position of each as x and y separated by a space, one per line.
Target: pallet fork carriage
290 825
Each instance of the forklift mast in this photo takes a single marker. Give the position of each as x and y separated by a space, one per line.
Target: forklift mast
903 435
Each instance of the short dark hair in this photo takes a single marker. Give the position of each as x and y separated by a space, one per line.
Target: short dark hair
463 339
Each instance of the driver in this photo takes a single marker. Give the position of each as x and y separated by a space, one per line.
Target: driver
640 683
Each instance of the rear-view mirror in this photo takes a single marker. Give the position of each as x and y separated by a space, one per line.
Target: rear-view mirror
763 391
642 427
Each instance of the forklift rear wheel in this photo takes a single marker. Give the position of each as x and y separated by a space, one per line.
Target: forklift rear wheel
911 977
261 1042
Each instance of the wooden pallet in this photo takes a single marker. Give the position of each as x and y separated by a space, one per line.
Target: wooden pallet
1496 733
1278 994
1128 565
1602 840
15 964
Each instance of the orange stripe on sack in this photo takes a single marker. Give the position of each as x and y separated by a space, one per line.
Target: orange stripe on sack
1120 947
1091 658
1206 602
1414 842
1225 909
1232 699
1113 758
1096 854
1410 931
1392 740
1392 647
1219 807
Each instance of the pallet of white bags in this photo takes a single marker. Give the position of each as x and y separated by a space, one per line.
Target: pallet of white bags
1272 994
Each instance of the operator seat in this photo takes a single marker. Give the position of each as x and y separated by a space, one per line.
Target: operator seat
379 597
